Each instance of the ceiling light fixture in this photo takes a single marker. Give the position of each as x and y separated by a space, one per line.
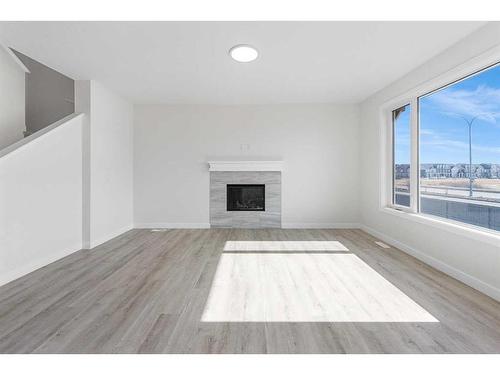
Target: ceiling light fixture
243 53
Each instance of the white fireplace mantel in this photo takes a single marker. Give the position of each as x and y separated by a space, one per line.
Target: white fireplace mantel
251 165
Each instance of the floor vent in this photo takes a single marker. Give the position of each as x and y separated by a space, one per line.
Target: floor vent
159 230
381 244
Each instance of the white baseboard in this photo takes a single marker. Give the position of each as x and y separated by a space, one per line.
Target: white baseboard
470 280
320 225
110 236
33 266
172 225
284 225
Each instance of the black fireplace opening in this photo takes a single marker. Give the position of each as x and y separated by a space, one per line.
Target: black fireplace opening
246 197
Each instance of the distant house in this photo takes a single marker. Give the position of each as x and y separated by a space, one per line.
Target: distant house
495 171
470 172
458 171
485 171
443 170
402 171
479 172
436 170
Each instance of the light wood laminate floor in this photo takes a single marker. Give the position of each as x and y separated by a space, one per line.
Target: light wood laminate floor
244 291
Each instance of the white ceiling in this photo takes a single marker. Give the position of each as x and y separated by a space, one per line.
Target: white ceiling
188 62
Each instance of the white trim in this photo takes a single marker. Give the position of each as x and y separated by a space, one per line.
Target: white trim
467 279
33 266
414 160
109 236
387 158
473 232
320 225
246 166
16 59
38 134
284 225
172 225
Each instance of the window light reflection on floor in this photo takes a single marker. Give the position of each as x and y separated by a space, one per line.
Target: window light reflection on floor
258 281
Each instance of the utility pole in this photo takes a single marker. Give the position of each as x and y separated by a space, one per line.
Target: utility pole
471 180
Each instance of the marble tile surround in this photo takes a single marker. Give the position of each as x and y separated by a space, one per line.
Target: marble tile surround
221 218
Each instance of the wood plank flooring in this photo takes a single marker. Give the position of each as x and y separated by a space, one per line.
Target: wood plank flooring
244 291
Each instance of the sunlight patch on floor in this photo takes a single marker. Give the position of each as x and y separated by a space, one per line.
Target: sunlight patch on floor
304 287
284 246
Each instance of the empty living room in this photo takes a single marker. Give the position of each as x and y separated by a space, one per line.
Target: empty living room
262 186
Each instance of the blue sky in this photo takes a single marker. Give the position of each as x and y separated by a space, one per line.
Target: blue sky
402 131
444 136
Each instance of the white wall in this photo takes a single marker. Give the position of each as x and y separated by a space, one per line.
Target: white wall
475 262
111 164
40 200
12 100
108 162
318 142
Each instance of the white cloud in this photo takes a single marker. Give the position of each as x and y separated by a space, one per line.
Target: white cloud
482 102
451 144
426 132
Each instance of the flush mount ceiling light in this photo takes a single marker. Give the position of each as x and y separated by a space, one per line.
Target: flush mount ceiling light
243 53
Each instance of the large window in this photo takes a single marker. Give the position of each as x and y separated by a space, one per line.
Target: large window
458 129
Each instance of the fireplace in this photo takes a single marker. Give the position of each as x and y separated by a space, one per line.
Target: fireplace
263 212
246 197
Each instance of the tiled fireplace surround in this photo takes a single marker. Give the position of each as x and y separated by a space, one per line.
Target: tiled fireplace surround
235 173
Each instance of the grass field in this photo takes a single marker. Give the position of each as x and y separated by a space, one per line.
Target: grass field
492 184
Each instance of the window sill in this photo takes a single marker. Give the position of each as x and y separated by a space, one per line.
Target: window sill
476 233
